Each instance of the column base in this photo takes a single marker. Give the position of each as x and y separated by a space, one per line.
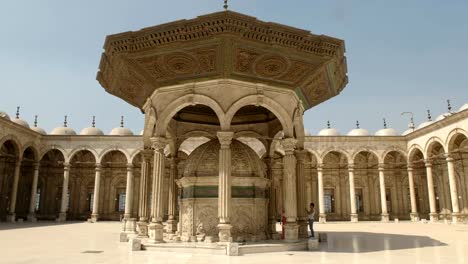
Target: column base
322 218
414 217
62 217
384 218
303 229
155 232
171 226
142 228
11 218
94 218
291 232
272 227
455 218
354 218
224 232
129 225
32 217
434 217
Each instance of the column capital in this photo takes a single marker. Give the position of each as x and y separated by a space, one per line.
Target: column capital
428 163
381 166
448 157
289 144
409 168
66 166
36 165
147 154
18 162
129 167
351 167
225 138
319 166
158 143
300 154
98 167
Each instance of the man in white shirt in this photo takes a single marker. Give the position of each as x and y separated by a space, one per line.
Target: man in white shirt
310 216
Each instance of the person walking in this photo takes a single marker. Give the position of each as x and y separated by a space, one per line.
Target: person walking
310 216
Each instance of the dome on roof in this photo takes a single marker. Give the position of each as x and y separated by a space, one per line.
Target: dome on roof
329 132
425 124
64 131
91 131
464 107
20 122
387 132
245 162
358 132
4 115
408 131
39 130
442 116
121 131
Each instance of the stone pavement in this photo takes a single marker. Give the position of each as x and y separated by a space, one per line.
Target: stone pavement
364 242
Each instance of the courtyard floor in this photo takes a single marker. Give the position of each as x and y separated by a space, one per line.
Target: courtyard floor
364 242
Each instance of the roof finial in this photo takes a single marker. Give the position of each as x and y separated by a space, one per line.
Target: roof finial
65 122
122 121
357 124
35 121
225 5
17 112
384 123
449 106
328 124
429 117
411 124
94 121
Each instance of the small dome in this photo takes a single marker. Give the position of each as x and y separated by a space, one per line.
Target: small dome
91 131
464 107
358 132
64 131
39 130
329 132
425 124
121 131
4 115
408 131
387 132
20 122
442 116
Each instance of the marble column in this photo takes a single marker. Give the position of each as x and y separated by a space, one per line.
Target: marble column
171 225
97 184
301 193
322 215
414 210
453 189
272 199
430 189
129 223
224 187
32 200
142 224
14 193
383 194
290 190
352 194
63 205
155 229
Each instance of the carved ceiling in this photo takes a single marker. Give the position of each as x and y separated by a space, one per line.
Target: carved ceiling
223 45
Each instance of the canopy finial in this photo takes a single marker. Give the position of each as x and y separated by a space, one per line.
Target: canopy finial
225 6
122 121
94 121
384 123
328 124
65 122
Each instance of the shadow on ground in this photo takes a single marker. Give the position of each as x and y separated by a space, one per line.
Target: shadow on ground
362 242
10 226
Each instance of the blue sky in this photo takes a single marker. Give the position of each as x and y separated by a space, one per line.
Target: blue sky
402 56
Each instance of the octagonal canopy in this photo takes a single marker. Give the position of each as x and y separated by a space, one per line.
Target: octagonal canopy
218 46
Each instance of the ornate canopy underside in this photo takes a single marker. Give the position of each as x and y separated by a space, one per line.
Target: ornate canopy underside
223 45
